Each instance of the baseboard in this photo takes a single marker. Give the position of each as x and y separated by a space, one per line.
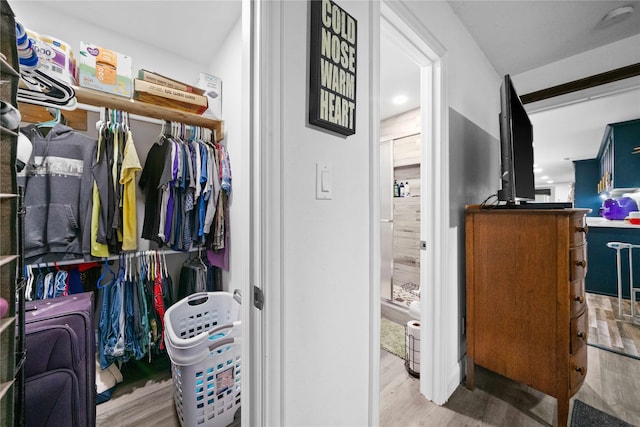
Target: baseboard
395 313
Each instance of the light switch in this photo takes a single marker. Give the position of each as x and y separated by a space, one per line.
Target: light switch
324 188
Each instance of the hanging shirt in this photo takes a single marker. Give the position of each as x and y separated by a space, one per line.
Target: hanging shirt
150 184
98 249
57 196
130 165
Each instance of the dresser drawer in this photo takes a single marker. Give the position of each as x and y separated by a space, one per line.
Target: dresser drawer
577 370
577 230
579 331
577 263
578 300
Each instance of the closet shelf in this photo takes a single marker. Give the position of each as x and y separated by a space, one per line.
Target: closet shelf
5 196
101 99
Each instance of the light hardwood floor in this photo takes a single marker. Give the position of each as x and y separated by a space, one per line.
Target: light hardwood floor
609 330
612 385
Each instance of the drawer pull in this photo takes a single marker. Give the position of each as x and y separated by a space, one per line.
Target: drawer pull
579 298
581 263
582 370
584 229
582 335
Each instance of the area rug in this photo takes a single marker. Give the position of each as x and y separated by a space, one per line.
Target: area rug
392 337
584 415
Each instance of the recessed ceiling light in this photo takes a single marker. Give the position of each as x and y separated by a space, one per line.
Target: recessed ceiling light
544 177
537 170
550 182
400 99
616 15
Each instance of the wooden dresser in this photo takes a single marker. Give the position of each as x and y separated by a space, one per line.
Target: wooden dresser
526 307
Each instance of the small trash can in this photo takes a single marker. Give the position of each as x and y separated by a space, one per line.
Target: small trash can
412 348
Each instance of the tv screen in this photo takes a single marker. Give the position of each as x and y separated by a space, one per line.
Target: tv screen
516 147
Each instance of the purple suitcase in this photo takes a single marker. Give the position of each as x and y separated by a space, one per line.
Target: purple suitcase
60 362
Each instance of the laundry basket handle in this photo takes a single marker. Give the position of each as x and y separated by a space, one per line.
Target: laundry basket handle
220 328
221 343
197 298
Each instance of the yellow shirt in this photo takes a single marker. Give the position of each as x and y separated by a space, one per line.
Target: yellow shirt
130 165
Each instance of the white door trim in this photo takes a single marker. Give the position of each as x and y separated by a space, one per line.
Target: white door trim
429 55
266 226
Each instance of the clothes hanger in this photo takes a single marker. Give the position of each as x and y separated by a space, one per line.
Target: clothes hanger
46 91
105 270
57 118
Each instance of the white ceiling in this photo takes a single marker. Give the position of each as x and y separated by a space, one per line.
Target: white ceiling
182 27
521 36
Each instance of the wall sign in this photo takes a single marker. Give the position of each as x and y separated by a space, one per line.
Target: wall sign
332 65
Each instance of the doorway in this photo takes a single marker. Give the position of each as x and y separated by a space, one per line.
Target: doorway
408 33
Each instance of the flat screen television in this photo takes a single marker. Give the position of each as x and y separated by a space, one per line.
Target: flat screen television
516 148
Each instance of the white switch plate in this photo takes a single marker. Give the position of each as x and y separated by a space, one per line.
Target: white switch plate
324 181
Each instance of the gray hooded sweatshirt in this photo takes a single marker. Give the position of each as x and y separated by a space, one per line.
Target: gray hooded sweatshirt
58 194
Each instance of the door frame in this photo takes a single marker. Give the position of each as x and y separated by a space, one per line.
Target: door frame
402 24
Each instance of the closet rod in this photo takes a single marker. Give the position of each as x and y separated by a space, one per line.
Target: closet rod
94 109
110 258
102 99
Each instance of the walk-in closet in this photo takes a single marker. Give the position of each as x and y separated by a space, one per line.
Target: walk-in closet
132 213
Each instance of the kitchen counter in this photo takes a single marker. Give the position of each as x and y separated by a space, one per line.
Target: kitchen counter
596 221
601 260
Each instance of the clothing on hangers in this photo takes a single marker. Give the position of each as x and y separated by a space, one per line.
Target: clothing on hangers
57 196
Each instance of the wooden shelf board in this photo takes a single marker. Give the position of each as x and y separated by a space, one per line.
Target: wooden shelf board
32 113
101 99
6 259
6 322
5 67
8 131
4 387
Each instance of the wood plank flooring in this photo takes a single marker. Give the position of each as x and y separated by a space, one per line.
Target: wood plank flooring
606 329
611 385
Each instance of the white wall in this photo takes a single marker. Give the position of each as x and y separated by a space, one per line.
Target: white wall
604 58
43 18
325 243
472 82
227 64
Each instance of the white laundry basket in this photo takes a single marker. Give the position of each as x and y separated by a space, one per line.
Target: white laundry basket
203 336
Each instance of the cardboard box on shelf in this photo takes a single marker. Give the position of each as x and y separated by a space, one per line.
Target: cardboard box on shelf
213 91
104 70
158 79
169 97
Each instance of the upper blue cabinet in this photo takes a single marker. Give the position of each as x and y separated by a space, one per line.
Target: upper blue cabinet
619 167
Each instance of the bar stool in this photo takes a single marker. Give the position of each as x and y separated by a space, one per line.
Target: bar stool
633 290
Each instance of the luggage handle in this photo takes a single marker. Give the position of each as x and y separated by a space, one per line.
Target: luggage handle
221 343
